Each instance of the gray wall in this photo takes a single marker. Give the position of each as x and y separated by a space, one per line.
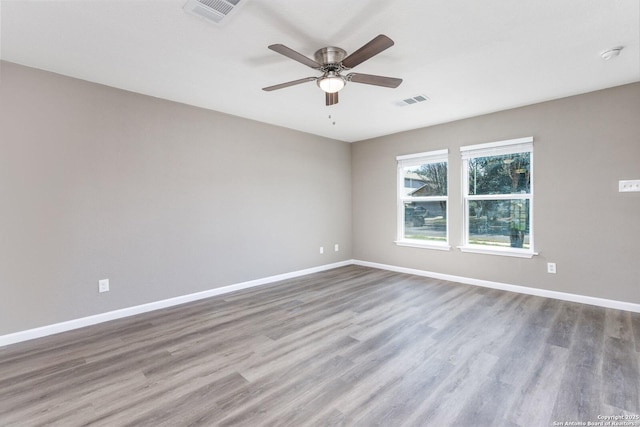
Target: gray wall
161 198
582 146
166 199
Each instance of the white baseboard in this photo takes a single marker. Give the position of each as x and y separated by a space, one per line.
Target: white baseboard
601 302
144 308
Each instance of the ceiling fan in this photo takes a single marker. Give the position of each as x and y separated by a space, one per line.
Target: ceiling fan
332 61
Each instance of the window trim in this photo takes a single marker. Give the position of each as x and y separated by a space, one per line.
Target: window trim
436 156
497 148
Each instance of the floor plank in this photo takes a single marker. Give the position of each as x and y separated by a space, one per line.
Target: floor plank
350 346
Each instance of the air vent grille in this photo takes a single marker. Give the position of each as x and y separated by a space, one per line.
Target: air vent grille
413 100
218 5
211 10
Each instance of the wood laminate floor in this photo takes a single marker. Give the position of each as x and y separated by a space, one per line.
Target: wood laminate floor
350 346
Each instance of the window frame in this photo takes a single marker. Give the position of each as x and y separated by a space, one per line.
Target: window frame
436 156
498 148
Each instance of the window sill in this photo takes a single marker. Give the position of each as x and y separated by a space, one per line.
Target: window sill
518 253
418 244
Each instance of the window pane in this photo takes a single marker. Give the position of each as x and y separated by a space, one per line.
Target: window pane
425 180
499 223
505 174
425 221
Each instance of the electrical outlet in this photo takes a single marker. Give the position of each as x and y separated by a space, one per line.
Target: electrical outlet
103 285
336 247
321 250
551 267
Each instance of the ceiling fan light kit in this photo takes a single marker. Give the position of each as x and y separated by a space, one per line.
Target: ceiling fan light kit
331 82
332 61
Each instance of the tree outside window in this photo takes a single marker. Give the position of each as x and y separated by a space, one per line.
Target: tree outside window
422 199
498 194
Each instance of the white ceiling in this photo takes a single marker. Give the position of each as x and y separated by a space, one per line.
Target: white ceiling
469 57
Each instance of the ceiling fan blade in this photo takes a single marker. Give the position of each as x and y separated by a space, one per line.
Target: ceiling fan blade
287 84
374 47
290 53
370 79
331 98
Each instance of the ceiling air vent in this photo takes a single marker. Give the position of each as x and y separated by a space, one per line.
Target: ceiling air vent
413 100
211 10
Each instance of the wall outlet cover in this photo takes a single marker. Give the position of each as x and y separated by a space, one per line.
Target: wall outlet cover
103 285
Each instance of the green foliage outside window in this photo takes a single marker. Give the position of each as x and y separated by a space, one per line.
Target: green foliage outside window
499 175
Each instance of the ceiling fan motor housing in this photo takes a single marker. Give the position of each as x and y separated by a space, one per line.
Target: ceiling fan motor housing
330 58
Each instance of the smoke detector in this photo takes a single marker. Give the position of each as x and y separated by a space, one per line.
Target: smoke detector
212 10
611 53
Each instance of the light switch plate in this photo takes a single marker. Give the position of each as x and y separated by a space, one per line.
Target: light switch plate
626 186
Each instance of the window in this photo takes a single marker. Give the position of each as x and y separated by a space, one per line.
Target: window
422 200
498 197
